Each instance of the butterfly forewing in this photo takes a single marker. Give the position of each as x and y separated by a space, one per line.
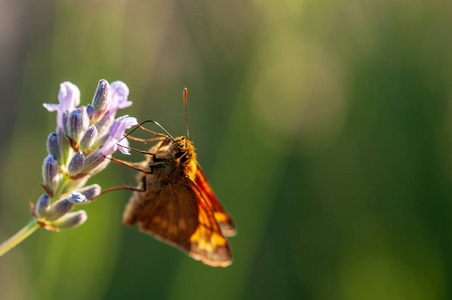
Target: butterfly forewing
224 220
208 243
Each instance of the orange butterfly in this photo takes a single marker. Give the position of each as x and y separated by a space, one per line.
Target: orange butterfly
176 204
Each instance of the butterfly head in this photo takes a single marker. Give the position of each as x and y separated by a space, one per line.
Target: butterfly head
183 149
184 154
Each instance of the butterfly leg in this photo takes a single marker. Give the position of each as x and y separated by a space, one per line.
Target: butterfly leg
128 164
127 187
136 150
145 141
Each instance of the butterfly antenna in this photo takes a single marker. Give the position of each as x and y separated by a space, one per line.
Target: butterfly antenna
148 121
185 106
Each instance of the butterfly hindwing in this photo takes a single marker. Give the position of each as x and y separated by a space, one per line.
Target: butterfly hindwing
171 215
180 215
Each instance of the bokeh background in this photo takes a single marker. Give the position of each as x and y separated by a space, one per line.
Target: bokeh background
323 126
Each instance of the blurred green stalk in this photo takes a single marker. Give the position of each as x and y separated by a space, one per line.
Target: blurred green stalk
18 237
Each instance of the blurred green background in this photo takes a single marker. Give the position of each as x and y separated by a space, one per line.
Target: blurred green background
323 126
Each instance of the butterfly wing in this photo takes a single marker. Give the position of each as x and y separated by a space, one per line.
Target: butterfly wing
224 220
170 214
179 215
208 243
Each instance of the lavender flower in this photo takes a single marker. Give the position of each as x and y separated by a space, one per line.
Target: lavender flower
84 137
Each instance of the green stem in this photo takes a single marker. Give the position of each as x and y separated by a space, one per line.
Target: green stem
18 237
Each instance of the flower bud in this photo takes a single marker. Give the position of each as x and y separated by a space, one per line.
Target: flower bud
65 122
50 174
88 138
93 162
76 164
91 192
71 220
58 209
63 206
100 167
65 147
53 147
90 111
100 141
42 206
85 118
100 100
75 125
103 126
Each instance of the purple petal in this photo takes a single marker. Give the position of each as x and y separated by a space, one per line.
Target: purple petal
51 106
109 147
68 96
124 104
118 95
124 142
120 125
116 133
115 130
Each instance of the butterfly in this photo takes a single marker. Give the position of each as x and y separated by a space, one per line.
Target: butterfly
175 203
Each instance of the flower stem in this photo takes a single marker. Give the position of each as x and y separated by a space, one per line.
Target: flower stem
18 237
